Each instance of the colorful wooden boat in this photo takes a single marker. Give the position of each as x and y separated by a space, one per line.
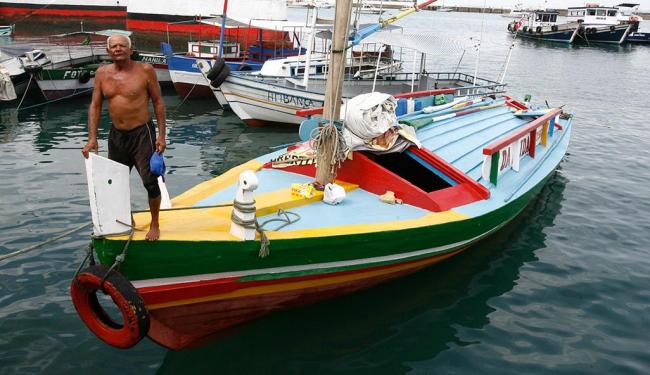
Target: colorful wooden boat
481 162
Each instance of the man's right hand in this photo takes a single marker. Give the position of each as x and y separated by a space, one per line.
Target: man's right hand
91 145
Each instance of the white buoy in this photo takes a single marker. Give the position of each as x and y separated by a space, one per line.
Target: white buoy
244 199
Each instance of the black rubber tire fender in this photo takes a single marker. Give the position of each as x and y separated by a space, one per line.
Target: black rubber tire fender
217 67
84 76
218 80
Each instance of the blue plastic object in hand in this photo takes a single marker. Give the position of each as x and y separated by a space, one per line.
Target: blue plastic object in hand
157 164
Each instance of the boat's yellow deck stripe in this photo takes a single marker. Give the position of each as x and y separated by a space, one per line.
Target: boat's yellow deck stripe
213 224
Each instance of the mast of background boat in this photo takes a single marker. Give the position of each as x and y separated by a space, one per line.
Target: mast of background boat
312 37
328 134
371 29
223 27
478 57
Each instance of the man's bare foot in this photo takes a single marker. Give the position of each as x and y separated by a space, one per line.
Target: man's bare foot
153 234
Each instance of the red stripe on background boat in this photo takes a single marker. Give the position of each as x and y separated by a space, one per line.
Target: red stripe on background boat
75 8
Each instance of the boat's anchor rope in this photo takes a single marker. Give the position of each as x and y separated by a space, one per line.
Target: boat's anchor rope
118 260
248 208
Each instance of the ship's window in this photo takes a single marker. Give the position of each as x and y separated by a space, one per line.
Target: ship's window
591 12
554 18
600 12
611 13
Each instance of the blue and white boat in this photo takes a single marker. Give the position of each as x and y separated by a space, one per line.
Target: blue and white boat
587 24
543 25
187 77
602 24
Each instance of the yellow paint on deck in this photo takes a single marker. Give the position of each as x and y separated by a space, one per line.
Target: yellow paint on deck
213 224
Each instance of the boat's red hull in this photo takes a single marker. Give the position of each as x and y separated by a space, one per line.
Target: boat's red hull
204 311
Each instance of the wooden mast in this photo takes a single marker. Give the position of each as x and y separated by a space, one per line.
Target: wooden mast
333 90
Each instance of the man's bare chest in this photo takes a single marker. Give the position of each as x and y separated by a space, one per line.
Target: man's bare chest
131 87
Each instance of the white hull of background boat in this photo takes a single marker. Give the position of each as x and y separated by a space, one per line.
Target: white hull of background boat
61 88
266 104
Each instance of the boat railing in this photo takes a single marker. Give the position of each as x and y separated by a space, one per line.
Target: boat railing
507 152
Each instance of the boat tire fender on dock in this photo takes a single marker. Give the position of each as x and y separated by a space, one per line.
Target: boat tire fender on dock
83 291
221 77
84 77
214 71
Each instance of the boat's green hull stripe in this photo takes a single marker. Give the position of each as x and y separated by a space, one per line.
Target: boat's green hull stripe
160 259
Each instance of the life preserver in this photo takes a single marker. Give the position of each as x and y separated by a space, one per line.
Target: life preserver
612 28
554 28
217 67
83 291
538 29
218 80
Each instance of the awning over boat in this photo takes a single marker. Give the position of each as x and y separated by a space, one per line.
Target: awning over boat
424 43
106 33
327 34
278 25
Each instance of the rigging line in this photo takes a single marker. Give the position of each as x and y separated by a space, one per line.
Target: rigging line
36 246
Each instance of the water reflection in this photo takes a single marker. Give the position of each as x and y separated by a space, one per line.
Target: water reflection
390 328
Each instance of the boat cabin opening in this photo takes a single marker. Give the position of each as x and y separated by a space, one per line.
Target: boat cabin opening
414 170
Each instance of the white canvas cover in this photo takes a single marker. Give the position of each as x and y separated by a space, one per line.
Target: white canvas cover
7 91
109 194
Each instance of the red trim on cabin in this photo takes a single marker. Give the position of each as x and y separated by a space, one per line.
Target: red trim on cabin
309 112
374 178
533 143
530 128
452 172
417 94
514 103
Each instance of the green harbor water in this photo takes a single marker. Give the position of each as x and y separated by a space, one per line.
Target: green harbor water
563 289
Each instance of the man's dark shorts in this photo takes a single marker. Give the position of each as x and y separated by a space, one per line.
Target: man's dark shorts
134 148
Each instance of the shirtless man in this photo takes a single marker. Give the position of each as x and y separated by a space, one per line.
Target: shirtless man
128 85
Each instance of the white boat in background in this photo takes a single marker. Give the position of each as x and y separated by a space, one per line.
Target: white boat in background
369 9
310 4
518 12
19 64
273 100
7 30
